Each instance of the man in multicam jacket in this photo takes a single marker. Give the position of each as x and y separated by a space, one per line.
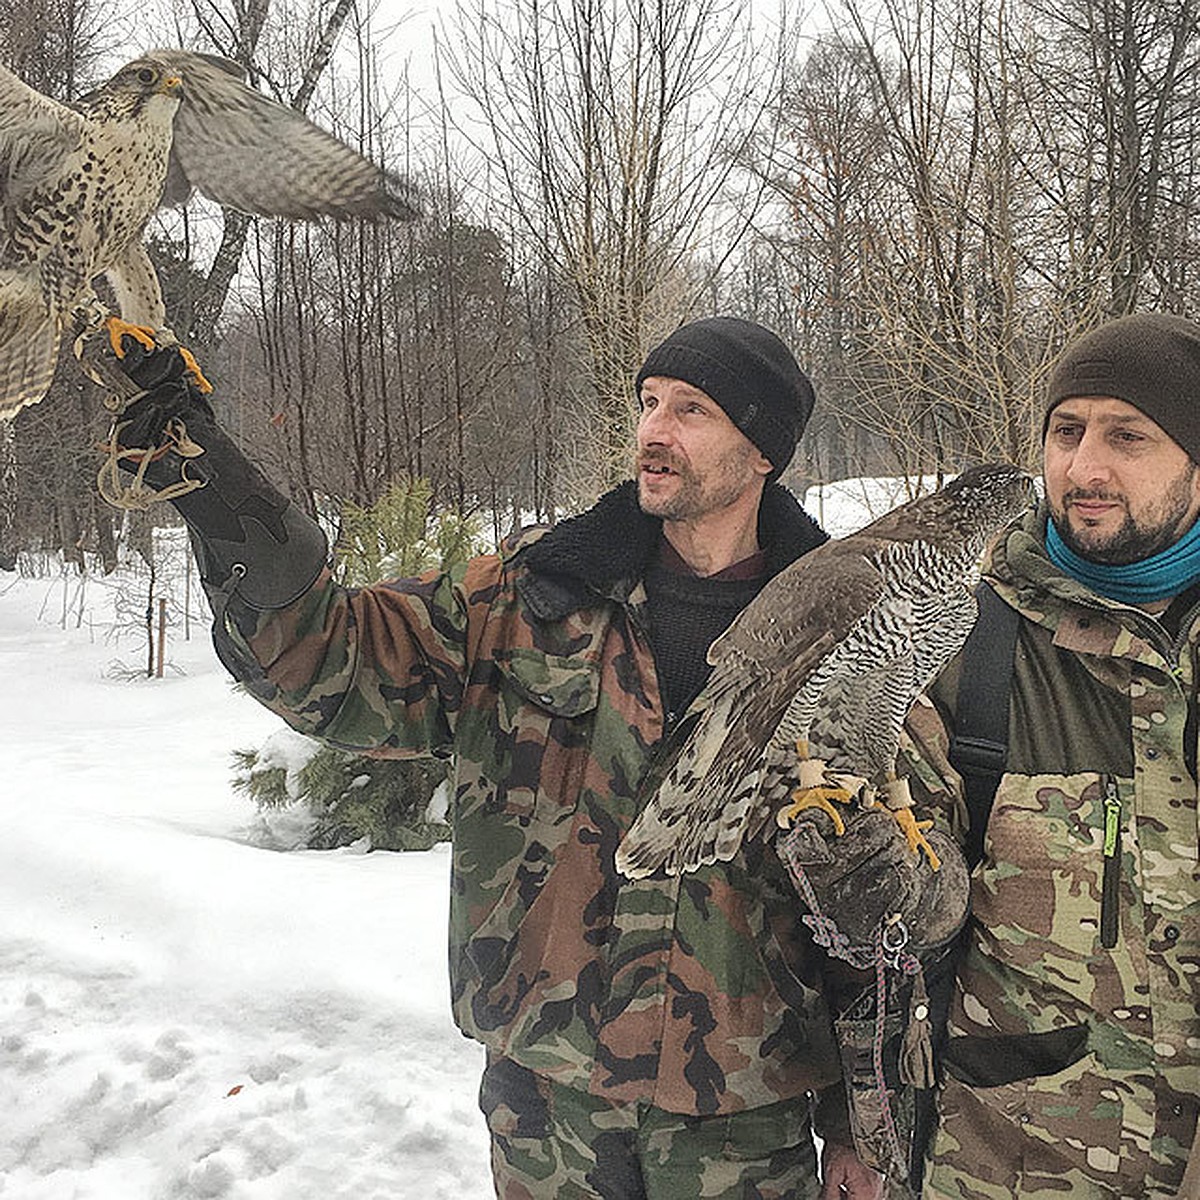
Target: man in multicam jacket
665 1037
1073 1065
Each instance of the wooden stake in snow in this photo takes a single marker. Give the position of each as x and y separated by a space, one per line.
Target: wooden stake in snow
162 636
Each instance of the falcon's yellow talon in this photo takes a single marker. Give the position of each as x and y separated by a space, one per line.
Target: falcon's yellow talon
914 834
815 797
118 328
202 384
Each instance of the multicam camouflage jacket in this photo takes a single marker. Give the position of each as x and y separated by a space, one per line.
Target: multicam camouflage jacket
533 670
1075 1027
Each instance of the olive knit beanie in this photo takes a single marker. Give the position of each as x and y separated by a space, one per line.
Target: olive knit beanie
749 372
1149 360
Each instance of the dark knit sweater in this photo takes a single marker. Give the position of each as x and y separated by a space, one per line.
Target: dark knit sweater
687 614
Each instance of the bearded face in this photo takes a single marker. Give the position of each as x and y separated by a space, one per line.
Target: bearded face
1118 487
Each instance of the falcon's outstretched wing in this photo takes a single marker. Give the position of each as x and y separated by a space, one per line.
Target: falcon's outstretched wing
36 135
245 150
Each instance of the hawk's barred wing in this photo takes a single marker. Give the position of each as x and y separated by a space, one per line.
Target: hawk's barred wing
711 799
824 590
717 791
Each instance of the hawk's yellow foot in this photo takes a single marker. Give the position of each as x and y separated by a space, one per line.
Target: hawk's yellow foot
914 834
814 791
815 797
194 371
117 329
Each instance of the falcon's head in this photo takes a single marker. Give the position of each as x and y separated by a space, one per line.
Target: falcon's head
140 86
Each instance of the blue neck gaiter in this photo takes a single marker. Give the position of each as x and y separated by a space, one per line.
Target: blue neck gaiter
1158 577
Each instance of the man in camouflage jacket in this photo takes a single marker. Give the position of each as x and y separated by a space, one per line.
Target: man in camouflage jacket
660 1037
1073 1064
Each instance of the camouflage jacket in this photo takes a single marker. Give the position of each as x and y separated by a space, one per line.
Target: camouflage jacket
1076 1020
533 670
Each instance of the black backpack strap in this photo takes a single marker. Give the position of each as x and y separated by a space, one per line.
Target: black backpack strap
978 751
979 747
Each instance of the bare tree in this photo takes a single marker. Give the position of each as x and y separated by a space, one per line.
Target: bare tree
1111 88
933 248
611 132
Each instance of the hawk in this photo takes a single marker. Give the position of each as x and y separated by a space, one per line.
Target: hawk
813 680
78 185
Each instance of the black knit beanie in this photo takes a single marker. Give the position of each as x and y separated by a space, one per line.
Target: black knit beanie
1149 360
749 372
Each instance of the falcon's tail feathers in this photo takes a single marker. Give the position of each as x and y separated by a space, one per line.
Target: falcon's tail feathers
28 354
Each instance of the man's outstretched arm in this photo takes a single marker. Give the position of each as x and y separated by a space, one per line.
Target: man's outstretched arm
373 670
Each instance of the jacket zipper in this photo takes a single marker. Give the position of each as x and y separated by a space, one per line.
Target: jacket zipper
1111 884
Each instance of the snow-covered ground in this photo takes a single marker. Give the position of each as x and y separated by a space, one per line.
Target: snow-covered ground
185 1012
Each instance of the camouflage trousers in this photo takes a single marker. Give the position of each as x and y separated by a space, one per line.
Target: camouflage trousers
551 1142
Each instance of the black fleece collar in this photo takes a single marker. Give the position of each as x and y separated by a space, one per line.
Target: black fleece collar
606 550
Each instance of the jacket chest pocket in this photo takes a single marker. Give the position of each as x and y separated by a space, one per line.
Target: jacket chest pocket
545 718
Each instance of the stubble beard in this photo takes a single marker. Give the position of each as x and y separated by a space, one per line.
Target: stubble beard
1134 540
694 496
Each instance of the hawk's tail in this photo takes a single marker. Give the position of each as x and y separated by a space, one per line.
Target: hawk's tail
28 349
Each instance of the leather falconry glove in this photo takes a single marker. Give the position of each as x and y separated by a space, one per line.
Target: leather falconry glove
251 541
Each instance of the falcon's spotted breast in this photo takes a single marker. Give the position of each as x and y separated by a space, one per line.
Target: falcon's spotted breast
79 183
830 656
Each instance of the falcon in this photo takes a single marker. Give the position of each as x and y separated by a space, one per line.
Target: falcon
813 680
79 184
